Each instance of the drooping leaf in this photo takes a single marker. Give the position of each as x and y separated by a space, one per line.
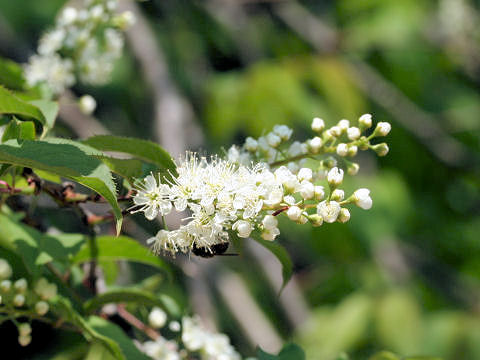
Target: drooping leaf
66 158
120 248
127 168
49 110
11 74
282 256
17 129
112 331
288 352
142 149
10 104
134 295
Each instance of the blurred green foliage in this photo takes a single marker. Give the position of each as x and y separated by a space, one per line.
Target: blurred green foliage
404 276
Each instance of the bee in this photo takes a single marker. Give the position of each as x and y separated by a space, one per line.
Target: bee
216 249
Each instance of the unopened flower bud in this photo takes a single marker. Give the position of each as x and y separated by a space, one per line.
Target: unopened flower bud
5 269
343 216
335 176
343 125
319 192
342 149
5 286
243 228
305 174
302 220
315 144
382 129
157 318
294 213
270 234
18 300
365 121
283 131
24 340
353 169
353 133
352 150
251 144
316 219
318 124
174 326
307 190
289 199
381 149
24 329
335 131
87 104
328 210
362 198
41 308
269 222
329 162
20 285
337 195
273 140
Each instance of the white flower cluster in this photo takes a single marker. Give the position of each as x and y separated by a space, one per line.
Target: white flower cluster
17 294
195 340
83 44
225 196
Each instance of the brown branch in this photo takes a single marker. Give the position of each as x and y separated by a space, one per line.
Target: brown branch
137 323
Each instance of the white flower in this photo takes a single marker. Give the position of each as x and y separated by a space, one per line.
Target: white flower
315 144
293 167
41 308
318 124
319 192
328 210
51 42
174 326
193 336
294 213
270 234
344 215
269 222
352 150
353 169
342 149
335 131
297 148
161 349
68 16
243 228
251 144
353 133
273 139
343 125
383 128
152 198
56 72
335 176
5 285
289 199
365 120
305 174
157 318
306 190
18 300
127 19
5 269
87 104
20 285
362 198
337 195
283 131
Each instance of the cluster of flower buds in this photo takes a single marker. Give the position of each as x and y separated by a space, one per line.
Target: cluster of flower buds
195 340
83 45
16 295
227 195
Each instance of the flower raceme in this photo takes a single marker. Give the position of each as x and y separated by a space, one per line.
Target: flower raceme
244 193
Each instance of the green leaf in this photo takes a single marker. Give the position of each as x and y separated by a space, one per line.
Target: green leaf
142 149
384 355
127 168
17 129
262 355
282 255
35 247
10 104
11 74
121 248
49 110
98 352
288 352
66 158
123 295
112 331
66 312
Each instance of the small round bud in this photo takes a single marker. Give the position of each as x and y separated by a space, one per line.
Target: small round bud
5 286
352 150
343 216
318 124
294 213
20 285
381 149
68 16
353 169
362 198
243 228
269 222
343 125
335 176
174 326
18 300
342 149
329 162
303 220
273 140
365 121
319 192
337 195
251 144
382 129
305 174
157 318
24 340
353 133
335 131
327 135
328 210
315 144
5 269
24 329
307 190
270 234
283 131
41 308
87 104
316 219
